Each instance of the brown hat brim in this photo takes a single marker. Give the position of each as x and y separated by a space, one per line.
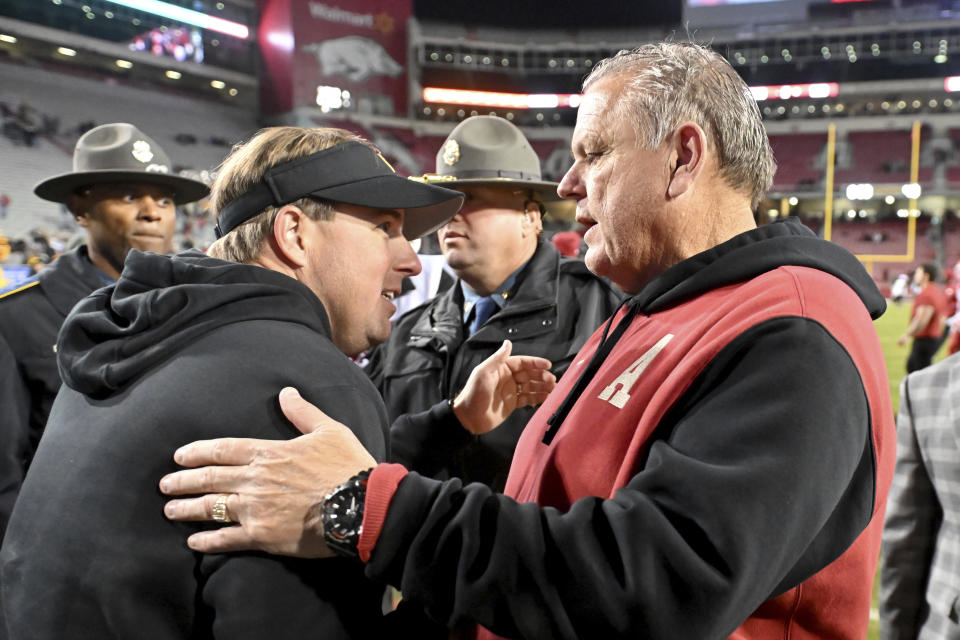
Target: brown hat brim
60 188
546 190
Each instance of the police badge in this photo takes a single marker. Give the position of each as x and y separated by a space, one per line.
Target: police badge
142 152
451 152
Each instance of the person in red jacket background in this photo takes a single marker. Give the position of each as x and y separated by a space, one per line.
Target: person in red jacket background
952 291
714 463
927 319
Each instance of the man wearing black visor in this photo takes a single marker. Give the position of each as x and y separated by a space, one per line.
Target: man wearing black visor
312 246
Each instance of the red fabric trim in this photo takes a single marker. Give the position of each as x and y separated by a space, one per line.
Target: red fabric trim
382 484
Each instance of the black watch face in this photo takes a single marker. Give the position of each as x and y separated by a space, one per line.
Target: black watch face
342 516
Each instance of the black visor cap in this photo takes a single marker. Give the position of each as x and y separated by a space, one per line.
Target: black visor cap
351 173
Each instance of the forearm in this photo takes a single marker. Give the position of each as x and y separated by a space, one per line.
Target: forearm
919 321
627 567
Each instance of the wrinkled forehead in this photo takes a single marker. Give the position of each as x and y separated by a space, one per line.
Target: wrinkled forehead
601 110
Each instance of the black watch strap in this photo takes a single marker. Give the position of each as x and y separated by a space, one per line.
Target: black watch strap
342 515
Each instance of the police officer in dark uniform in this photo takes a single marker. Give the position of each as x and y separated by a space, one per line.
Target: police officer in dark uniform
511 285
122 193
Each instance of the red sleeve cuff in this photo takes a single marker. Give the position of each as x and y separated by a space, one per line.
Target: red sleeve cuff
382 484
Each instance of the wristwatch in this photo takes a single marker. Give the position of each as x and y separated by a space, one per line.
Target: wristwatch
342 515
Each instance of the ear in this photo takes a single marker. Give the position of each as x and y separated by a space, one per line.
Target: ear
78 207
531 221
289 239
687 157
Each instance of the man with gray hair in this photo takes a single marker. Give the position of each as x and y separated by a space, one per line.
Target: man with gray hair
715 461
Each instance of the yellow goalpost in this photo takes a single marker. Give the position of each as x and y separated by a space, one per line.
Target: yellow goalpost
869 259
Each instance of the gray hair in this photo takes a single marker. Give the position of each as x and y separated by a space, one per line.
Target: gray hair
670 82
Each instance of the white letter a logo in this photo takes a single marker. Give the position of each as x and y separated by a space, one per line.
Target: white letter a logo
625 381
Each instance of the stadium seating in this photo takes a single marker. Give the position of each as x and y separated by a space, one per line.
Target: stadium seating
75 102
882 157
796 156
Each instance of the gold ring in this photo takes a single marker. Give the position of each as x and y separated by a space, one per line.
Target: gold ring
220 510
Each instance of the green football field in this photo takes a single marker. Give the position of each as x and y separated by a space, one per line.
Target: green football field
889 328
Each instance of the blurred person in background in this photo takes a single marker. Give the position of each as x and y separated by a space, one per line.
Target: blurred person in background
510 285
900 287
121 192
952 293
568 243
927 318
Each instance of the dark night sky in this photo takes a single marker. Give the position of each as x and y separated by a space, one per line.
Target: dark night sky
552 13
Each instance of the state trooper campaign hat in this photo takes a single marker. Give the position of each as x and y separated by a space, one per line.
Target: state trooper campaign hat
119 152
490 151
350 173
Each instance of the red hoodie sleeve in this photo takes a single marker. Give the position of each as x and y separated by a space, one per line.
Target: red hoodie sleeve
381 485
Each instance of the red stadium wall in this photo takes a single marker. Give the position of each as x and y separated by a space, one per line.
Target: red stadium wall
358 46
275 37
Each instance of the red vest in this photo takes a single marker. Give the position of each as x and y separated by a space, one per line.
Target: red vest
605 437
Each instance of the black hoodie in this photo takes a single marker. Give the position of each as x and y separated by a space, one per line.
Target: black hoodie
180 349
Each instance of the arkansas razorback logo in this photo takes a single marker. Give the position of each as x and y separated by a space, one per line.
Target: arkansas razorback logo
355 57
617 392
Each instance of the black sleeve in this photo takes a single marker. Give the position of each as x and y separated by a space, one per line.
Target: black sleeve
762 474
428 440
14 431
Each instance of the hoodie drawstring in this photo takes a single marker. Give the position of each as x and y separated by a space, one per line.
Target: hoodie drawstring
603 350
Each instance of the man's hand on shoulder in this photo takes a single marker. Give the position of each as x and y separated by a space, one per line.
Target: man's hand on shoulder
273 488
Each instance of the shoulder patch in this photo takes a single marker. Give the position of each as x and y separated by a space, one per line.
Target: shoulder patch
5 294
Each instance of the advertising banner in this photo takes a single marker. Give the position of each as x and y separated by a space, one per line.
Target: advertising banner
351 54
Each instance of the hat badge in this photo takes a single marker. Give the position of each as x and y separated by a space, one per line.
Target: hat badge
142 152
451 152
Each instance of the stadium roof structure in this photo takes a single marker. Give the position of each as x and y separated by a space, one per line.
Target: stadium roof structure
114 39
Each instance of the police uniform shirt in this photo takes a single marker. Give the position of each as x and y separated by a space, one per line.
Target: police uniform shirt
31 314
